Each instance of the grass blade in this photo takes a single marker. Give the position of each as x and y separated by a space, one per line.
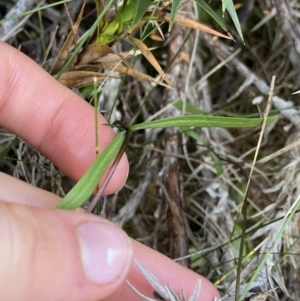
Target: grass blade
87 184
39 8
150 58
212 13
140 7
174 10
231 10
202 121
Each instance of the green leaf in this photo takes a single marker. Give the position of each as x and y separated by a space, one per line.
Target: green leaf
174 10
223 6
202 121
211 12
189 108
31 11
134 12
231 10
87 184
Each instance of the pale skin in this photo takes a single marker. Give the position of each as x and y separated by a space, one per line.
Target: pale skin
40 254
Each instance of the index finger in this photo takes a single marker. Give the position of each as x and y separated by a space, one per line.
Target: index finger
51 117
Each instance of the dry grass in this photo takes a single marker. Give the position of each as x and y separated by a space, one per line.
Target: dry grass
186 188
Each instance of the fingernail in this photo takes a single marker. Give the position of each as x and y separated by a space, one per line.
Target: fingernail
106 251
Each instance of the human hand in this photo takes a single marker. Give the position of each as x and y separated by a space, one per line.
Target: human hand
48 254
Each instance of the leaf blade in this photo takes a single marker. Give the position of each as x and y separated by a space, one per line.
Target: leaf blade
150 58
174 10
87 184
140 8
212 13
202 121
181 20
232 12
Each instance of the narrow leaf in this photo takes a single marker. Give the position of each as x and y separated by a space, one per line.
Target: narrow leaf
150 58
87 184
202 121
36 9
191 24
174 10
223 6
211 12
140 7
234 17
